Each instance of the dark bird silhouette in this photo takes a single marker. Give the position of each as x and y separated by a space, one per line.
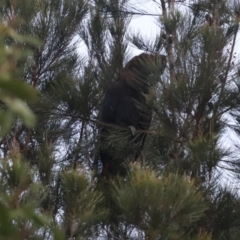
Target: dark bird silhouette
126 111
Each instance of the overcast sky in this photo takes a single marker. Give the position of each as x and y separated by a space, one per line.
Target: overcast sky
146 25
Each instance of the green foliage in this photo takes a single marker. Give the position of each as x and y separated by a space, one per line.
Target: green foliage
14 92
50 186
21 198
81 204
159 206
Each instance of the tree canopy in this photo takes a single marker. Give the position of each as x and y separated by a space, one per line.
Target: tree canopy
58 58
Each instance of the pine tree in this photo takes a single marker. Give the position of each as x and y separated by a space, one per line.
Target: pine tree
50 183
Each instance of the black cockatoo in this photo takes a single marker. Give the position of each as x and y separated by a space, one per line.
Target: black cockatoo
125 109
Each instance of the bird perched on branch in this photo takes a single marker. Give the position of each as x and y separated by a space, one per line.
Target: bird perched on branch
126 112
